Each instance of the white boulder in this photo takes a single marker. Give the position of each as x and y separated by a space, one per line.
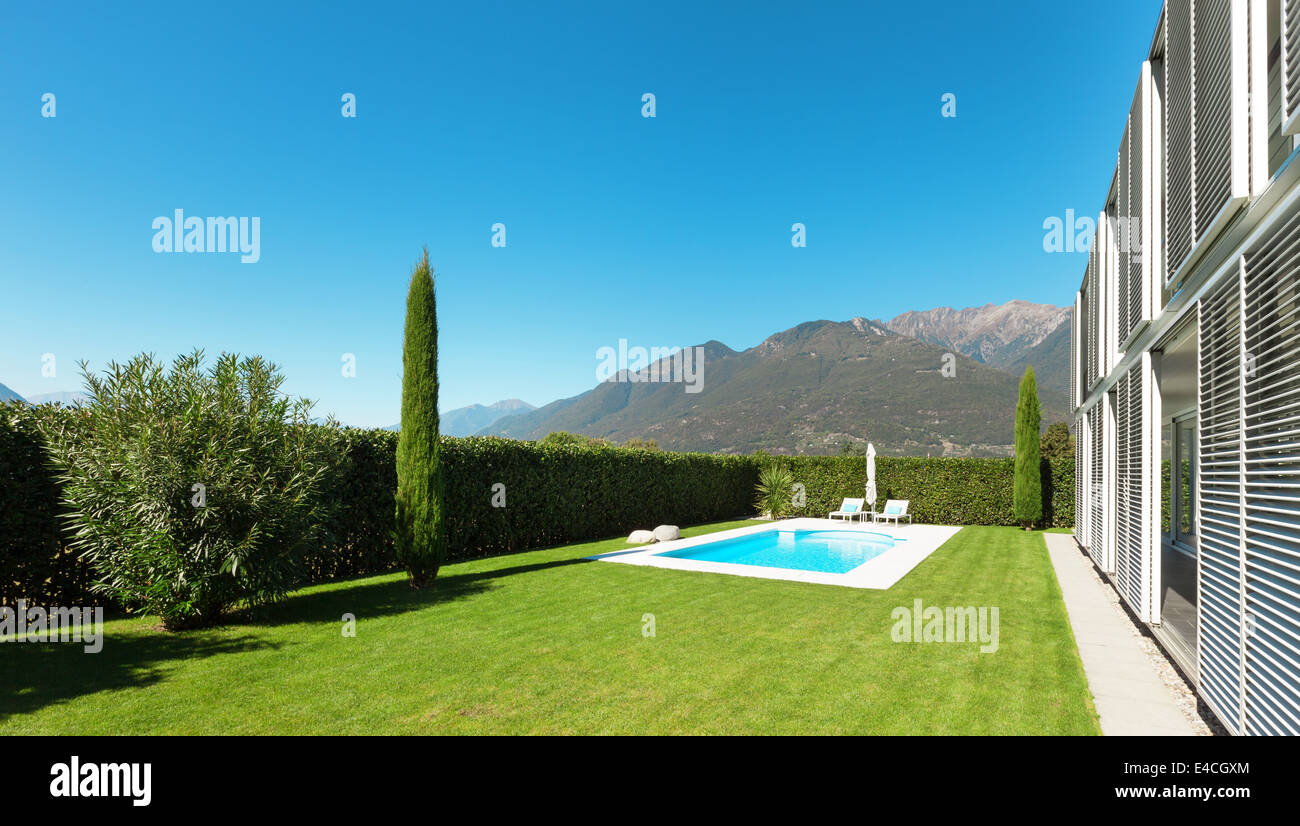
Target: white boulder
641 537
667 533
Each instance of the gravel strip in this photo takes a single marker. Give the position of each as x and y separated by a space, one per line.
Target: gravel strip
1198 714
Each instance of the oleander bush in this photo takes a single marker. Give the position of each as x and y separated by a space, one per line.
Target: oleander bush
190 490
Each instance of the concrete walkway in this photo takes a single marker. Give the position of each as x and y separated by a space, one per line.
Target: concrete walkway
1129 695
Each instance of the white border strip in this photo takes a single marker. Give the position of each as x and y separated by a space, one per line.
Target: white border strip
914 543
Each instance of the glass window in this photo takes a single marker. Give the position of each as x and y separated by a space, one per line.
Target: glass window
1186 475
1166 489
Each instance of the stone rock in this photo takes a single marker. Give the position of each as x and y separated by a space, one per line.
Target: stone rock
667 533
641 537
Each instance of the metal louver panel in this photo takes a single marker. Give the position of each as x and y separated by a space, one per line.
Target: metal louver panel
1096 490
1119 221
1074 357
1219 500
1091 354
1179 111
1080 483
1272 483
1130 509
1212 149
1290 60
1135 212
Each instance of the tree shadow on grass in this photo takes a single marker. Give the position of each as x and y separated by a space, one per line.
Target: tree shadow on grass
382 599
35 675
42 674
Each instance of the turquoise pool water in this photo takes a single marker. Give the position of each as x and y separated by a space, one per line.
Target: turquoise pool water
834 552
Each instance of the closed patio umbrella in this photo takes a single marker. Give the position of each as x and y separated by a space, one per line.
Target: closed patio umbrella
871 477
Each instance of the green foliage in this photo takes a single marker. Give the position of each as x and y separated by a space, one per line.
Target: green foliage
420 539
362 482
851 448
36 563
941 490
1027 489
775 491
561 437
189 491
636 443
555 493
1057 443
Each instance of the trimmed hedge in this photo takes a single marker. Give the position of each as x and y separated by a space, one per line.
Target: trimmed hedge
942 491
554 494
35 561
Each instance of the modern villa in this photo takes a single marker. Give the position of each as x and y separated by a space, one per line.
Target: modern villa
1186 358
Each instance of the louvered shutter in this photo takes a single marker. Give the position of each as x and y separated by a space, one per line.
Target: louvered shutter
1075 400
1290 60
1272 483
1080 482
1118 220
1097 530
1212 116
1207 138
1131 558
1219 500
1178 135
1136 265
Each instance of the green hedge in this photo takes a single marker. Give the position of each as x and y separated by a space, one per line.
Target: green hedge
942 491
554 494
35 562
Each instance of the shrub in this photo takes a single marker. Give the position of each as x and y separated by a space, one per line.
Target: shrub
775 491
941 490
190 491
1057 443
1027 489
36 563
421 540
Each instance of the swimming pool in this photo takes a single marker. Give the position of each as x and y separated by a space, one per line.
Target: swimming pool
802 549
833 552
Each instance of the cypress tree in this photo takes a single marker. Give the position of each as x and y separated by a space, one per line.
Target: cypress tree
420 539
1027 493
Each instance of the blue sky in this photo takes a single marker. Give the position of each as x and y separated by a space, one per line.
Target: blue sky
664 231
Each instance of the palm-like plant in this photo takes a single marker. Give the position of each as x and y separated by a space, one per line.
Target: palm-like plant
775 490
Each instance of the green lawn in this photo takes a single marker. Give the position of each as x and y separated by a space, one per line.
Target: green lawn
543 642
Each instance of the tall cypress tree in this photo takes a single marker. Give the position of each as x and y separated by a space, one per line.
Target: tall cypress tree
1027 491
420 540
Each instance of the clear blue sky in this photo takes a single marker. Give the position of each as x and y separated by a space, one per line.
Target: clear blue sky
665 231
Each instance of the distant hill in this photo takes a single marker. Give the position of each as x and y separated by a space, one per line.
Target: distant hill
466 421
66 398
809 389
7 395
1051 360
997 335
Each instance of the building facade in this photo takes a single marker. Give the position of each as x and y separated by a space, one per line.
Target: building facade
1186 357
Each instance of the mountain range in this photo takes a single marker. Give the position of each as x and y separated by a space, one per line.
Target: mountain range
7 395
466 421
64 397
942 382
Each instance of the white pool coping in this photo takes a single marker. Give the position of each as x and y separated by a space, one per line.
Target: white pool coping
914 543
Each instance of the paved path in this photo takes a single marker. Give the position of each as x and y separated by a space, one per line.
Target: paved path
1130 697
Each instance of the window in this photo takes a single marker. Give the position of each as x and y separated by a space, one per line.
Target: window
1178 468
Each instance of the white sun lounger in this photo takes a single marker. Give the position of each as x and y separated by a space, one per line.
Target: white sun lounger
895 509
849 510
